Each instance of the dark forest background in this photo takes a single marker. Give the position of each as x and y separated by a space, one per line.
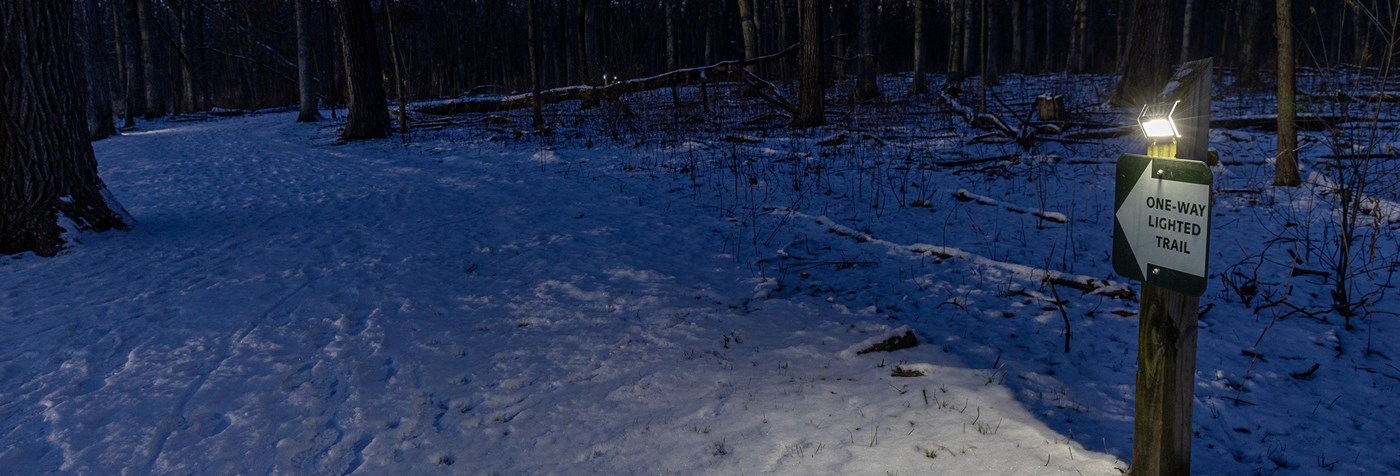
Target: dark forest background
242 54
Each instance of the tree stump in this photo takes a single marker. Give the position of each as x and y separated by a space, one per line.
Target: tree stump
1051 108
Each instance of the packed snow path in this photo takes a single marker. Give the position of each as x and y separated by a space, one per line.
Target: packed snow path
288 305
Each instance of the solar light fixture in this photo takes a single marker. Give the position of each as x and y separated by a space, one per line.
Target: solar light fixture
1156 120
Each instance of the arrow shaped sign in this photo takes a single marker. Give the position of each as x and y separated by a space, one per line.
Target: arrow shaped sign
1161 232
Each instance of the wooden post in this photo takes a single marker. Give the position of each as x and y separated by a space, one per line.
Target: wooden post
1166 375
1166 379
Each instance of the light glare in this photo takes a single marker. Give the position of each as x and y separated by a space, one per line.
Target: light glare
1158 128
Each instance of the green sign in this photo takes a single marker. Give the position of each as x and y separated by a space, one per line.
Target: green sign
1161 226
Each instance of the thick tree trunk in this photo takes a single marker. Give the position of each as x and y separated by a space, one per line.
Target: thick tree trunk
157 102
581 42
100 121
306 82
1286 167
368 115
532 42
1361 48
1149 54
920 83
749 31
135 81
867 88
189 99
811 109
1079 35
47 163
1250 57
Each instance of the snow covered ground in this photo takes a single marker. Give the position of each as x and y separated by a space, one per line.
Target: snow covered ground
677 300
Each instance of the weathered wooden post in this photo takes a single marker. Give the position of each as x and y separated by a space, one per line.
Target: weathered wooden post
1161 237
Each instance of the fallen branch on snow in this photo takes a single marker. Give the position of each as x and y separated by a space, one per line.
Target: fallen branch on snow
615 90
1086 284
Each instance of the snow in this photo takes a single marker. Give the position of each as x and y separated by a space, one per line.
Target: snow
478 303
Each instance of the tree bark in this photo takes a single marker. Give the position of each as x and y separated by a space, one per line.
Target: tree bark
966 42
531 32
135 81
920 83
811 109
1078 38
955 58
749 31
46 160
671 50
1250 59
1149 54
398 72
368 115
98 68
1018 33
189 99
867 88
581 42
1286 167
157 102
306 82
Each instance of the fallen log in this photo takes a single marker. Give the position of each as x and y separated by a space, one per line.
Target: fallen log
608 92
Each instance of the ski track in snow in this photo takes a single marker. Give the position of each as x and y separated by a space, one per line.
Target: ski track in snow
288 305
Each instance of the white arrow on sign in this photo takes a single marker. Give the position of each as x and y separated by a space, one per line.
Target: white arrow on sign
1166 223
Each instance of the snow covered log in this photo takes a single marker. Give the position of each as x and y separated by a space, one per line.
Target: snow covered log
610 91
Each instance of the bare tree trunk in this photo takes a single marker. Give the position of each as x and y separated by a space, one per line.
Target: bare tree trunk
331 81
581 42
1078 38
1361 52
866 86
1286 167
135 90
1149 51
966 41
189 101
1248 70
671 50
100 121
1029 51
157 103
368 115
532 42
811 109
955 58
920 83
306 85
750 32
398 71
1018 34
44 147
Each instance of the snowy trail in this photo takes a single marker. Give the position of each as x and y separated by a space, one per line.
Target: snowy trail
289 305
